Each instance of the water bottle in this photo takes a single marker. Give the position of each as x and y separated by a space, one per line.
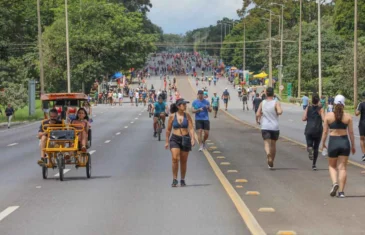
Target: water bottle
324 152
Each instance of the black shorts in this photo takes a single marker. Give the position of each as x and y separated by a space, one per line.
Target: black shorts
157 115
362 129
215 108
338 146
176 143
270 135
202 125
225 101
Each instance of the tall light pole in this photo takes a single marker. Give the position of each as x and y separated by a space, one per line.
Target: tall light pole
355 55
244 47
319 51
281 46
300 49
41 71
67 52
270 53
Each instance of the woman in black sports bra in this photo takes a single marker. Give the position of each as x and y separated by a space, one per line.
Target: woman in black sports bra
181 126
340 127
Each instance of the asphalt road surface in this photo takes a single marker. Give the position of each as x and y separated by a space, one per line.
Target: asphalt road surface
230 190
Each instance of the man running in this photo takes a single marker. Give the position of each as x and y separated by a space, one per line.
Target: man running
244 100
361 111
215 104
256 102
268 115
136 97
201 107
226 97
159 110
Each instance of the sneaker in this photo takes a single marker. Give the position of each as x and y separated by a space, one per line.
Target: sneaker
155 134
334 189
314 168
204 146
270 167
182 183
163 126
341 195
363 158
174 183
270 163
310 153
201 148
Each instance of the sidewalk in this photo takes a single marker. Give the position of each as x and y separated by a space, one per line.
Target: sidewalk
291 124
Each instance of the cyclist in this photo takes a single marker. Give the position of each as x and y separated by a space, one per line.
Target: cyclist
159 110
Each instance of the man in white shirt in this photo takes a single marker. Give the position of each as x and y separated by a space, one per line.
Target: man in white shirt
120 98
136 97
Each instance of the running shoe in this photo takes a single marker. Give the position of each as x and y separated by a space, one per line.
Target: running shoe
155 134
182 183
174 183
341 195
314 168
363 158
201 148
310 153
334 189
204 146
270 163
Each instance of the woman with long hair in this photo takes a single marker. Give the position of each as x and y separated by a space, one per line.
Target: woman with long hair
82 119
314 115
340 127
182 139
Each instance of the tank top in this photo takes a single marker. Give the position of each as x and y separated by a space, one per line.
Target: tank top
270 119
314 121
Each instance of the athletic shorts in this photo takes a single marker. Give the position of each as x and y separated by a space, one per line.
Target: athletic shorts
202 125
176 143
362 129
338 146
225 101
270 135
215 108
158 114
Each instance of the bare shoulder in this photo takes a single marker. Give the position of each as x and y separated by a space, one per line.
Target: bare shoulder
347 117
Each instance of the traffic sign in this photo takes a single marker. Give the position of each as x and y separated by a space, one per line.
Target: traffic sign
281 87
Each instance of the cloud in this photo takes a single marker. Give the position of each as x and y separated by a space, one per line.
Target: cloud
179 16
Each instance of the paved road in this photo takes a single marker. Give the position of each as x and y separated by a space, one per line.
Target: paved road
299 196
129 192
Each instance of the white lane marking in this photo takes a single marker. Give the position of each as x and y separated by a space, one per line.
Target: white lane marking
132 122
290 120
13 144
92 151
64 172
139 114
38 187
7 212
107 141
118 133
126 127
136 118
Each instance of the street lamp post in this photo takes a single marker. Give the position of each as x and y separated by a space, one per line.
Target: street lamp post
244 47
319 51
270 48
41 71
355 54
67 52
300 49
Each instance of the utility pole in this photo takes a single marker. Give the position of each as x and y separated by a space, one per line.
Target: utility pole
319 51
300 49
67 52
41 71
281 49
225 30
270 53
355 56
244 47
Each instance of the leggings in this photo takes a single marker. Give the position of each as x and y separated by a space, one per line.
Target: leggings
314 142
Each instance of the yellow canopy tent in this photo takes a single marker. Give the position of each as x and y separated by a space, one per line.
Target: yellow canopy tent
261 75
233 68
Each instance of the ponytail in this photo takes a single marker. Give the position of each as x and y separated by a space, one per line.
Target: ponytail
338 112
173 108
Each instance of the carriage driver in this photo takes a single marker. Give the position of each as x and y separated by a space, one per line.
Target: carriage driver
42 135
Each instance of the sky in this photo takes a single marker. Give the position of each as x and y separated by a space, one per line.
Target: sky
180 16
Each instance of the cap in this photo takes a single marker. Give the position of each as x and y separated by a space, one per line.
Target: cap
181 101
340 99
226 88
200 92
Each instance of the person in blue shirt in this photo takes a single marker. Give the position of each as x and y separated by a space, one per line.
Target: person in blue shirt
159 110
305 101
201 107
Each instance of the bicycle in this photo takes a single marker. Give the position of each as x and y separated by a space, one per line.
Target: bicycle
159 127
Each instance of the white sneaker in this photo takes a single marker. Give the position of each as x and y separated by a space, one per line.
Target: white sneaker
201 148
